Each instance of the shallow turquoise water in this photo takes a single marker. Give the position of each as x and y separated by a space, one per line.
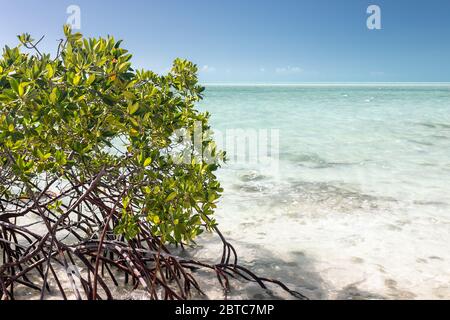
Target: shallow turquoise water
356 202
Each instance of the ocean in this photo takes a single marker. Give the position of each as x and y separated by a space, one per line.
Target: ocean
354 202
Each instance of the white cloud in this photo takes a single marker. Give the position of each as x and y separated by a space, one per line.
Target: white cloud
207 69
262 70
377 73
289 70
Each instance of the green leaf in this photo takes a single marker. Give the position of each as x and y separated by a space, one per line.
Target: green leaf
147 190
22 87
125 202
43 156
76 79
14 85
171 196
60 158
5 98
147 162
124 66
132 108
50 71
53 97
67 30
90 80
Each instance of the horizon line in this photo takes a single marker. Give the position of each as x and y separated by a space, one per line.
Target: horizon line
410 83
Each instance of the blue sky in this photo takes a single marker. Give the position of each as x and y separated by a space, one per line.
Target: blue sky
259 40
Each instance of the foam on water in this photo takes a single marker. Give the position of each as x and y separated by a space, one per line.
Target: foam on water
360 204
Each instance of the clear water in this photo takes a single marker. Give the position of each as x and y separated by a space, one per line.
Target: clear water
360 204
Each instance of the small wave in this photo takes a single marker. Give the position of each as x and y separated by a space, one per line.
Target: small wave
328 195
251 176
311 196
441 137
250 188
422 143
431 203
434 125
314 161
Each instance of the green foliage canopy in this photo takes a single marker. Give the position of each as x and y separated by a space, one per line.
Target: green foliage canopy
86 111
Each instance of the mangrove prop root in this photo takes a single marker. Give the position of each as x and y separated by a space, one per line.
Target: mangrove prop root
74 254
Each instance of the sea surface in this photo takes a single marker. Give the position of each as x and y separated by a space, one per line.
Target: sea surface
356 201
